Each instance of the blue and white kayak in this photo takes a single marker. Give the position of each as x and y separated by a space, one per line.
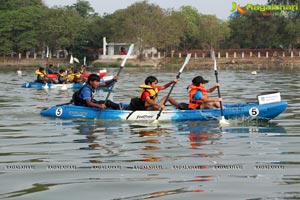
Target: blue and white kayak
52 85
231 111
60 86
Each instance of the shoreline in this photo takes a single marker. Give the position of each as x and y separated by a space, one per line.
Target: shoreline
198 63
253 63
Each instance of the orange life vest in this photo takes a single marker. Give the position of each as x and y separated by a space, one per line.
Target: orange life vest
194 104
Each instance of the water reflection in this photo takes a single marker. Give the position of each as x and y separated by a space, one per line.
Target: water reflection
163 193
200 135
140 143
97 138
35 188
185 153
203 138
136 139
151 142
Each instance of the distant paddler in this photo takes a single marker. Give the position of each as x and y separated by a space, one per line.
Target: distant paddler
62 78
41 75
75 77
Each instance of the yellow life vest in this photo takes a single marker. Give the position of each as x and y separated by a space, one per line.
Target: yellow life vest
42 74
63 75
71 77
77 75
70 70
152 91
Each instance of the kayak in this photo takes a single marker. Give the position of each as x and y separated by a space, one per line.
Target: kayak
60 86
52 85
249 111
101 74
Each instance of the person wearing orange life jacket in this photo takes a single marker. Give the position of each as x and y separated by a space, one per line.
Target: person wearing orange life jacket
198 95
149 94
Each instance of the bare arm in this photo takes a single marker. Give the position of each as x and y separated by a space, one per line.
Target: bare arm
210 90
211 99
92 104
109 82
153 103
169 84
150 101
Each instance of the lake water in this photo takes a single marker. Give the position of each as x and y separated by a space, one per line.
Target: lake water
43 158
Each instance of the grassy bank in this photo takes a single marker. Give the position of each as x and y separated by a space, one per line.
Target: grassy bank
199 63
207 63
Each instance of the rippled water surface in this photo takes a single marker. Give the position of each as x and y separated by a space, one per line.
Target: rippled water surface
43 158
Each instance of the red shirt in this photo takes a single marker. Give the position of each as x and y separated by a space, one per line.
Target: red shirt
147 94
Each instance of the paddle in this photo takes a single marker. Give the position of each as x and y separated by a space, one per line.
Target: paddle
222 122
178 76
45 86
47 53
47 57
71 59
130 50
76 60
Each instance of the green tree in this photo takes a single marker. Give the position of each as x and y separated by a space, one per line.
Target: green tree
19 25
145 24
60 28
99 27
6 43
240 35
253 30
213 31
190 27
172 26
292 35
9 5
139 22
26 28
83 8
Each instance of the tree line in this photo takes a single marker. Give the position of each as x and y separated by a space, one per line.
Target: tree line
29 25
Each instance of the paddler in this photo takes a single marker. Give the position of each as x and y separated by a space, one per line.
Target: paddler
198 95
85 96
41 75
62 78
77 77
149 94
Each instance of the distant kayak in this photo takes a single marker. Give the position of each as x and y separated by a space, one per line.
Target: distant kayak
101 74
60 86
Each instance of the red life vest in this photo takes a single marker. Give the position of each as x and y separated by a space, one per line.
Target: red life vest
194 104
